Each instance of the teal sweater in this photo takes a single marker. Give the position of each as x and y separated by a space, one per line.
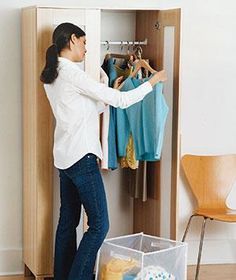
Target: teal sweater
145 120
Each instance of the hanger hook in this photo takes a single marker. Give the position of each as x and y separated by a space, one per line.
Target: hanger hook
128 47
133 46
108 45
121 45
139 51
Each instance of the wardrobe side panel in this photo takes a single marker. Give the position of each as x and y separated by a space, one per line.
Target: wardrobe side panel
29 58
44 161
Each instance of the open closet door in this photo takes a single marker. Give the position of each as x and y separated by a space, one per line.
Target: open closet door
38 24
158 215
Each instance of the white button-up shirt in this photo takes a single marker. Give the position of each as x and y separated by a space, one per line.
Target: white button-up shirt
75 100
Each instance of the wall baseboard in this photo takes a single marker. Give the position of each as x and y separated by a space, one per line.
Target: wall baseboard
213 251
12 277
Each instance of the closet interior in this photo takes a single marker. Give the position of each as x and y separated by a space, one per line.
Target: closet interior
155 35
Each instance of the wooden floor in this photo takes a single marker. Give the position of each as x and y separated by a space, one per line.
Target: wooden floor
214 272
207 272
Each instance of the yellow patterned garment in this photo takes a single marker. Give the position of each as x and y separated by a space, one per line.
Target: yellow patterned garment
129 160
115 269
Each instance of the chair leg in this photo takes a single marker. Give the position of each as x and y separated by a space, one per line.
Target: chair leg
187 227
200 248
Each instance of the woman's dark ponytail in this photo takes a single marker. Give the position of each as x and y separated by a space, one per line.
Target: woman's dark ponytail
61 39
50 73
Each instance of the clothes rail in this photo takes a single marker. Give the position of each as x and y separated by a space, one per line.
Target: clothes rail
124 42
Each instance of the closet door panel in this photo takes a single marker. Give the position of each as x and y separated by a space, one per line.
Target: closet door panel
169 140
48 19
38 125
152 25
170 27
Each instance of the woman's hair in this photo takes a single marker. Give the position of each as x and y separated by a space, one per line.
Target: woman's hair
61 39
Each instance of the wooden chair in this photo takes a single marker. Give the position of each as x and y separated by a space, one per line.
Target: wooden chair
211 179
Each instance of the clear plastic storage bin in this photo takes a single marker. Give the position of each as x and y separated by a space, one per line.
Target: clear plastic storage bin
141 257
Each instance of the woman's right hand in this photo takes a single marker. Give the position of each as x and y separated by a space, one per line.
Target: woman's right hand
158 77
117 82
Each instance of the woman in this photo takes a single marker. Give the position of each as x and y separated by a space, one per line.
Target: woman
74 99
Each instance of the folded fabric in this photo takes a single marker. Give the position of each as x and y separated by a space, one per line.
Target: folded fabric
129 277
154 273
115 268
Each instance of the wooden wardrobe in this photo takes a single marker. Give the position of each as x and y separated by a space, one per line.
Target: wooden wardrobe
38 24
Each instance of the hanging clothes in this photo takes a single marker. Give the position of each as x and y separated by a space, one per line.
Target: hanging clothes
146 121
136 179
113 71
119 138
129 161
111 153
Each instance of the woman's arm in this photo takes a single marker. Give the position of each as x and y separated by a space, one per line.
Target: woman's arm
100 92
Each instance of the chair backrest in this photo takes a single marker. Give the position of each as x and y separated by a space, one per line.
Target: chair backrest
211 178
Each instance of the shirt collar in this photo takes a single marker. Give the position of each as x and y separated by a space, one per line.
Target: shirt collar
65 60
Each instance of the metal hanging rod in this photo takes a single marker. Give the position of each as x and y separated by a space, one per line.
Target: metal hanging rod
124 42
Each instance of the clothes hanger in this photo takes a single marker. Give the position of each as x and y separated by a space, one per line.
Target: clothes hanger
142 64
139 64
117 55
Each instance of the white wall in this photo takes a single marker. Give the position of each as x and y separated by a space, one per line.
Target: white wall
208 122
208 116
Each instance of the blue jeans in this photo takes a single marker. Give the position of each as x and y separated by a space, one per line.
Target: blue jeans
80 184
